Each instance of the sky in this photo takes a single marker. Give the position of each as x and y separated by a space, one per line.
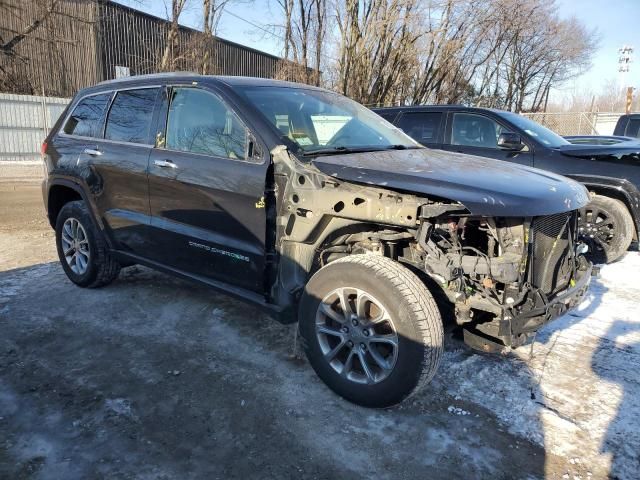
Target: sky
251 23
247 22
618 24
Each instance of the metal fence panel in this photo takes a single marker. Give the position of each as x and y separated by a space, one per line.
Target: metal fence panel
25 120
605 123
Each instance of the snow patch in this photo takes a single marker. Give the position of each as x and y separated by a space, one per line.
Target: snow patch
577 392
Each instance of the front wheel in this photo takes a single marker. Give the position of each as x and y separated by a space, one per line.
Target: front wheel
606 226
371 330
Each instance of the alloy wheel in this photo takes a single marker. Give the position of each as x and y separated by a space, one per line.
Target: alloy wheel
356 335
75 246
596 227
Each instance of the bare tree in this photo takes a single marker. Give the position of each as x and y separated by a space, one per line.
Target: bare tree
304 29
170 53
28 28
377 45
212 11
498 53
45 9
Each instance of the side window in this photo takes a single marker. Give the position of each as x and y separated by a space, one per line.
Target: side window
633 128
130 116
86 118
422 127
199 122
388 116
475 130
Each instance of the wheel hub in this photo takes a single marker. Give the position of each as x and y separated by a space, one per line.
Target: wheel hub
356 335
596 227
75 246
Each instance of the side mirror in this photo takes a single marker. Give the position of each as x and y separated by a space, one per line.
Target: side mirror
510 141
253 149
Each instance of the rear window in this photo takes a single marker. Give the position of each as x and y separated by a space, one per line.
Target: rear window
422 127
86 118
130 116
633 128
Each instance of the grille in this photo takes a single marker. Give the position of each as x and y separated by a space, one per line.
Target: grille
551 263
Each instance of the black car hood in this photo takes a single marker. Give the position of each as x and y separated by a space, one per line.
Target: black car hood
618 150
484 186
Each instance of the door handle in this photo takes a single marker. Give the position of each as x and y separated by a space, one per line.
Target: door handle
165 164
93 152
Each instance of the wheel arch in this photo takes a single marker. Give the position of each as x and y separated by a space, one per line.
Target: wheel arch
300 260
617 188
61 191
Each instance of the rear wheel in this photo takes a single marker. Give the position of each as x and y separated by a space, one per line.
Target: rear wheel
83 252
371 330
606 226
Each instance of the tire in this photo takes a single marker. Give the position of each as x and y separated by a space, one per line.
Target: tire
93 265
606 226
385 289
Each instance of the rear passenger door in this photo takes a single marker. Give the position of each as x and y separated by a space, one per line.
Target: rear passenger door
423 127
113 154
477 134
206 190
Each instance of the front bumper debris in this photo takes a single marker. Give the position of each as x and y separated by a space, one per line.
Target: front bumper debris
514 331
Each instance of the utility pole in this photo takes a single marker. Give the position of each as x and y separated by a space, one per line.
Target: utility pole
625 58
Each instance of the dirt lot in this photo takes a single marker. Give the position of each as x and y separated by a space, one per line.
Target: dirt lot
155 378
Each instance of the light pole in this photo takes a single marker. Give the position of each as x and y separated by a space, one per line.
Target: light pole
625 58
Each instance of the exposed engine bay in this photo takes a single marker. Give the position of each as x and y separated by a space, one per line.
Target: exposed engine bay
499 273
505 276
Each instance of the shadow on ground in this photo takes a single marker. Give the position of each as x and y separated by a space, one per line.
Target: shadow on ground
153 377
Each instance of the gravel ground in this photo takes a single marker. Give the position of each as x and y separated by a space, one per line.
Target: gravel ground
155 378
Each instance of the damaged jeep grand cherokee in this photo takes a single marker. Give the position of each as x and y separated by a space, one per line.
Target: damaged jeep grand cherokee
310 206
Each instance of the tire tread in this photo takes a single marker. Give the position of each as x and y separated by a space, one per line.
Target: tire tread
419 300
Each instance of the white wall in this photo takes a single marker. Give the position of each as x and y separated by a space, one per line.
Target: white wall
25 120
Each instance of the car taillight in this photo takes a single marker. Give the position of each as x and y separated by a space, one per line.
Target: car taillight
43 149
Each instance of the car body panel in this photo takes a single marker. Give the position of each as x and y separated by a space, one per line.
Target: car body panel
206 216
598 139
484 187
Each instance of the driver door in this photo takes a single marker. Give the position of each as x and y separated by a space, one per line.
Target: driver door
477 134
205 190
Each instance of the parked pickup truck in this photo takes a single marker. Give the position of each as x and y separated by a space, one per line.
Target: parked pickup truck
311 207
628 126
611 172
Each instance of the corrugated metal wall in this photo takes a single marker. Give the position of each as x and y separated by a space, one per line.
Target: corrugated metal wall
84 40
25 121
56 58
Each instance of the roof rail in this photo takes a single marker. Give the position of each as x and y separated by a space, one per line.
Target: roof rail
149 76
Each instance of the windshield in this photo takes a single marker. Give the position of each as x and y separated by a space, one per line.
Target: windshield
536 131
323 122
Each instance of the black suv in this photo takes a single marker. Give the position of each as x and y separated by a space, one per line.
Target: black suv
610 172
315 209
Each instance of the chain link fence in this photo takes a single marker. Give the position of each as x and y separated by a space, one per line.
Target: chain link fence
577 123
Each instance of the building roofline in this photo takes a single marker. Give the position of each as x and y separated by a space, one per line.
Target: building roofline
184 27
